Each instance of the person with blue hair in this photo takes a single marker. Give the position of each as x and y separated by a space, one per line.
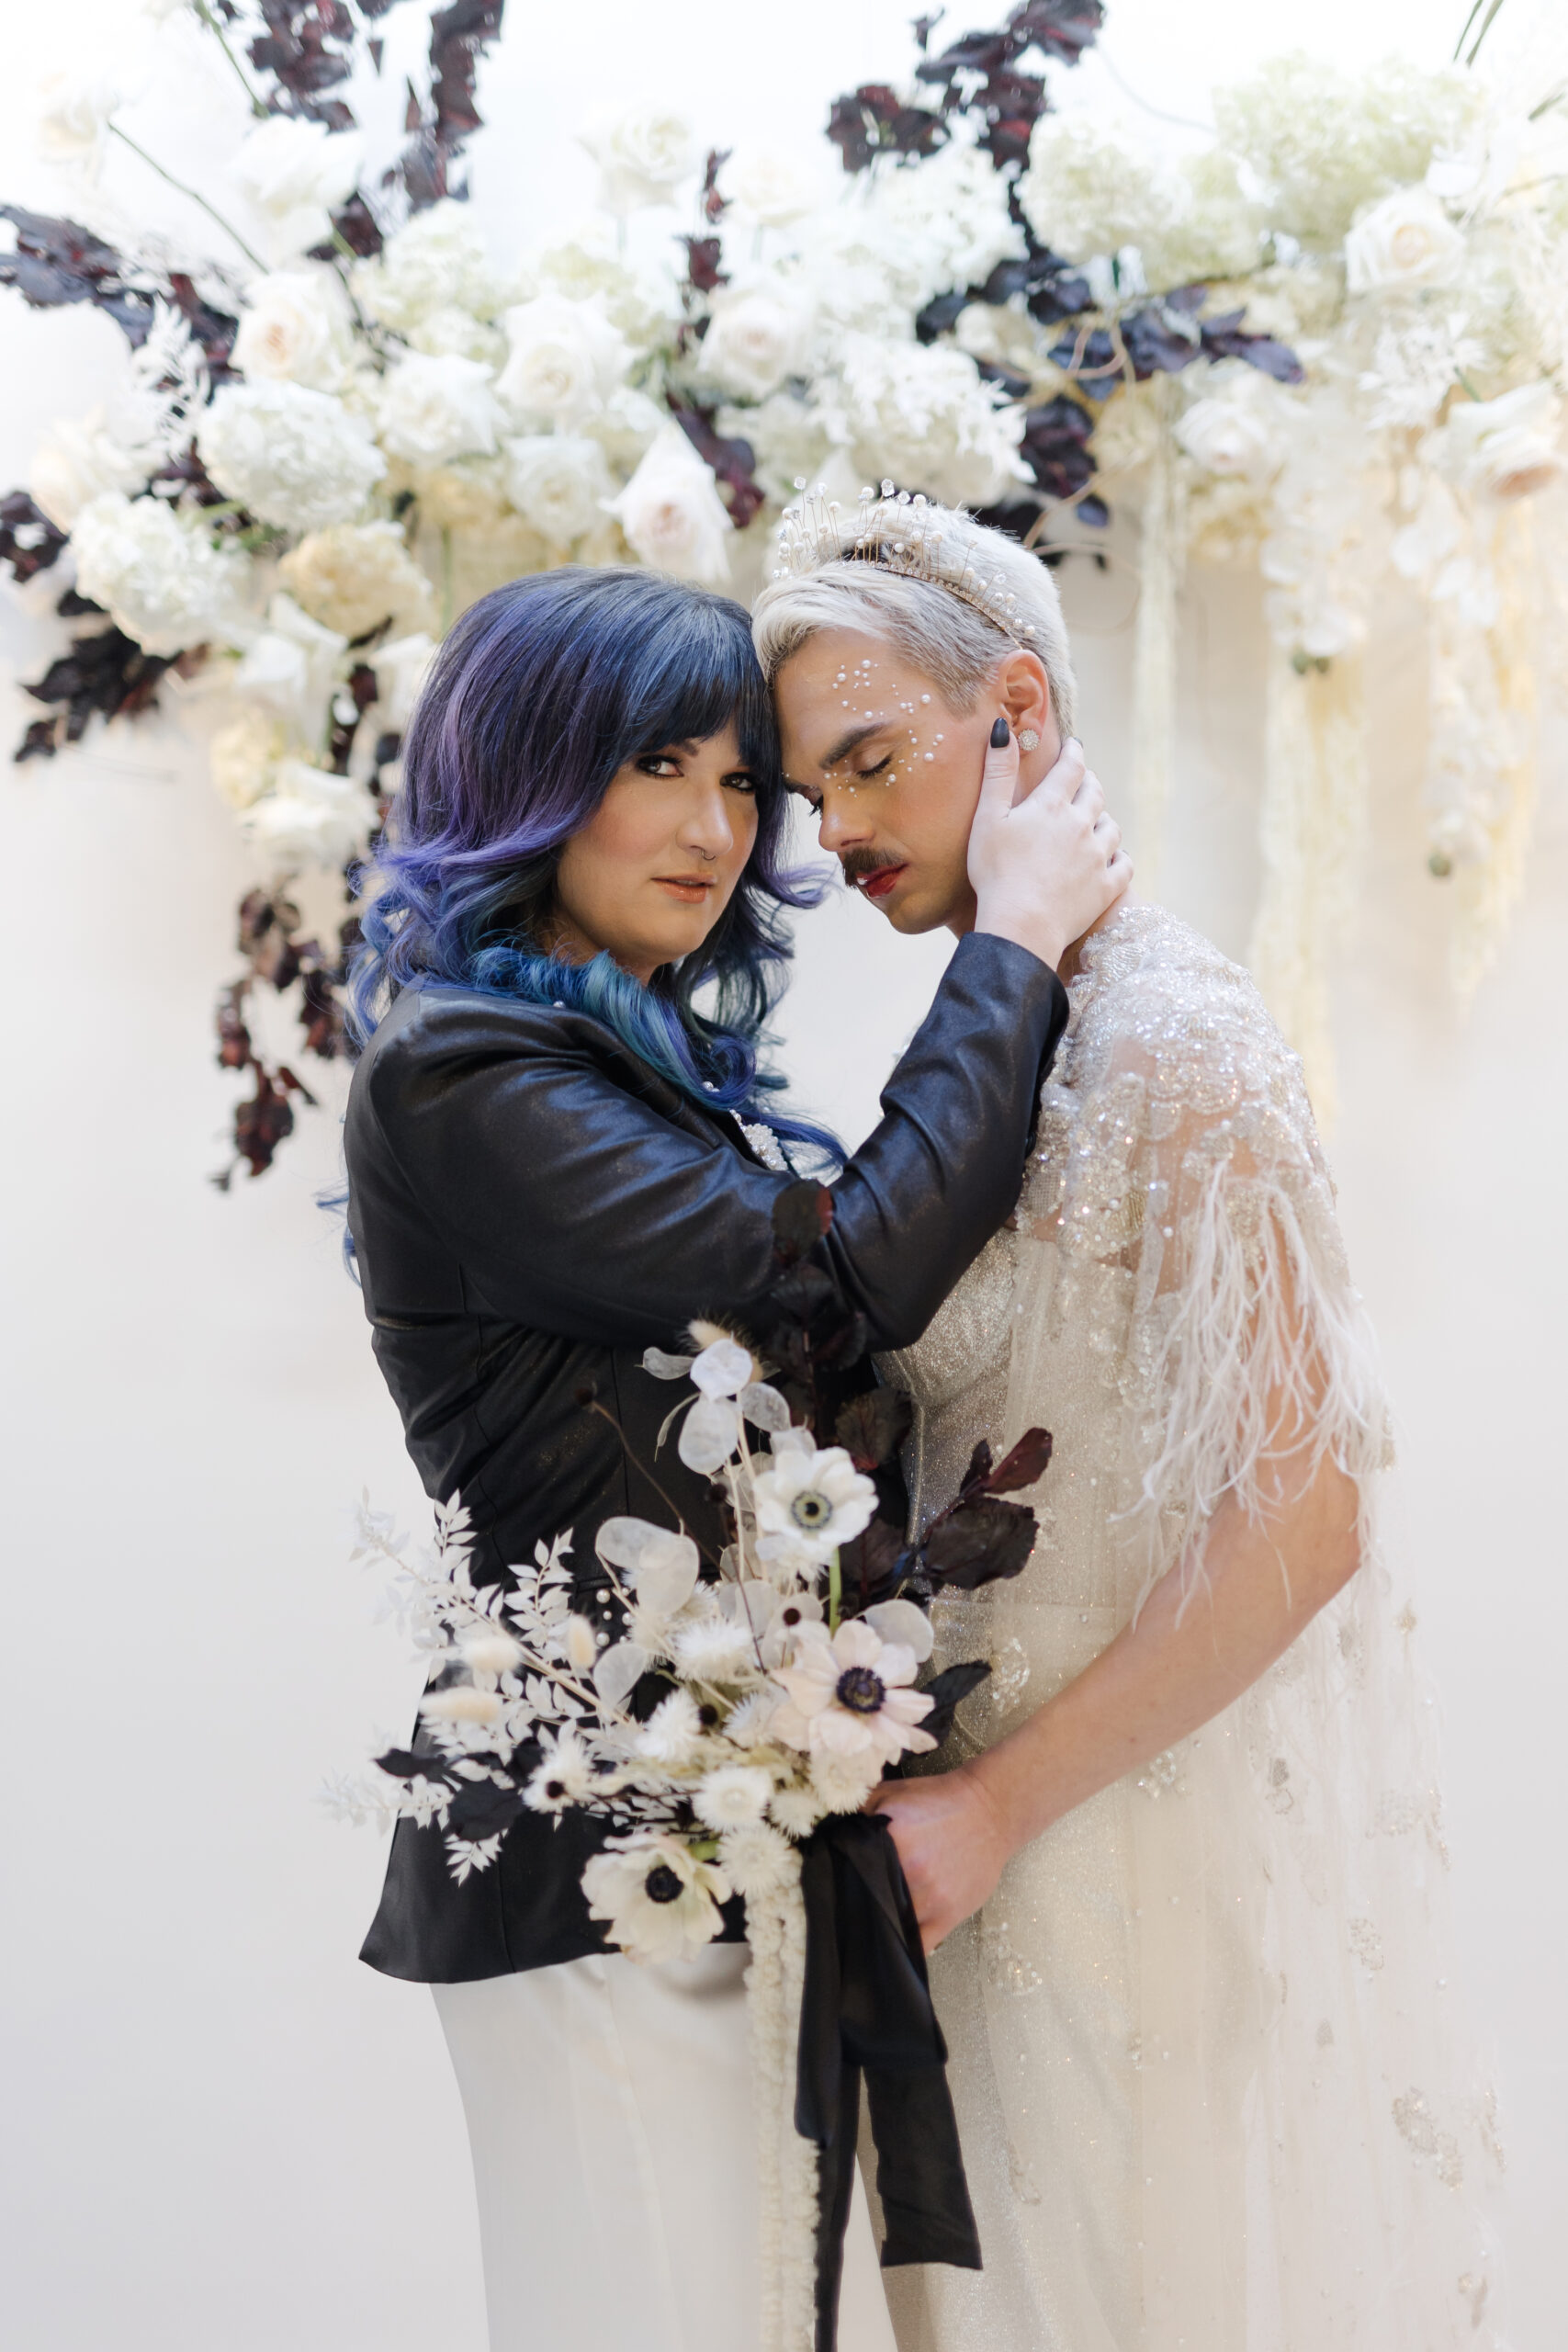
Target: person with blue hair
562 1149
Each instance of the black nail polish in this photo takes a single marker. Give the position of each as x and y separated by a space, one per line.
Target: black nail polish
999 734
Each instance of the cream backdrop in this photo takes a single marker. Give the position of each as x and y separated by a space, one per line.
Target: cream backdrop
224 2132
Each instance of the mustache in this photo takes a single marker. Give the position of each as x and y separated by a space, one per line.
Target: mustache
858 862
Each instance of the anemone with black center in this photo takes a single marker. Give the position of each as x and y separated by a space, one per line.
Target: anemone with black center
861 1690
810 1509
662 1884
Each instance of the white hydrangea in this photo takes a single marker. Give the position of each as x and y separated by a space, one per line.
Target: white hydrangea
310 818
896 239
293 456
672 514
1087 192
923 415
1323 145
297 174
758 334
295 328
642 152
159 575
354 576
565 358
78 460
438 260
433 410
585 266
559 483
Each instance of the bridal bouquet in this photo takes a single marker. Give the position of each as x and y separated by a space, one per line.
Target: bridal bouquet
713 1713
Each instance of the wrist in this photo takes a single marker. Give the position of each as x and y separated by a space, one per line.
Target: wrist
990 1798
1024 929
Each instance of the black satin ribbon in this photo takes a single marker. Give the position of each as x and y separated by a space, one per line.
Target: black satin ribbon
866 2009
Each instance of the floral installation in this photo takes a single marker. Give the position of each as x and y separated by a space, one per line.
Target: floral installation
714 1711
1329 342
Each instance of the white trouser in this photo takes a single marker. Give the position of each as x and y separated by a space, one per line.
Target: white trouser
610 2115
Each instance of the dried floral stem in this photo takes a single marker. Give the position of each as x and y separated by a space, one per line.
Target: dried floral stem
207 18
153 165
604 1415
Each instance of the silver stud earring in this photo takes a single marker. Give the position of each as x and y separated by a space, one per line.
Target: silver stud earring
1028 740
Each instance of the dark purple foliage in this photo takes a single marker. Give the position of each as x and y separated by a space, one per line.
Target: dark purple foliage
733 461
28 540
874 121
59 260
108 673
1056 446
1225 338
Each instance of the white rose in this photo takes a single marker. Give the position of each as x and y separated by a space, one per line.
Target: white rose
297 174
294 327
401 669
565 358
435 409
1506 447
557 482
438 260
771 188
449 330
243 757
75 115
1235 431
293 456
77 462
291 667
642 154
157 574
1407 240
672 512
310 818
757 336
357 575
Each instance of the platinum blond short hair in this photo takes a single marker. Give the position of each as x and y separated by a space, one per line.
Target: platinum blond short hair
955 598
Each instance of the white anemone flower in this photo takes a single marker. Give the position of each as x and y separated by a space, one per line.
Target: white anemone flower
815 1502
848 1692
660 1901
769 1618
734 1797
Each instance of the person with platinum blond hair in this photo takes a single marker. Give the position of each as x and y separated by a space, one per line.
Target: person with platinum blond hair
1182 1890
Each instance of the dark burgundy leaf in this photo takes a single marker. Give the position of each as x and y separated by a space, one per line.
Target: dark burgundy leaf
214 330
704 257
871 1428
1063 29
803 1213
1224 339
925 25
28 540
72 608
715 206
941 316
1156 342
1025 1465
235 1048
874 121
979 1469
871 1563
108 673
1006 379
975 1543
1056 446
947 1692
59 260
39 741
732 460
404 1765
1092 361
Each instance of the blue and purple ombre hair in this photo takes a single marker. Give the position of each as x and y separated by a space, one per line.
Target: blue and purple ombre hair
540 693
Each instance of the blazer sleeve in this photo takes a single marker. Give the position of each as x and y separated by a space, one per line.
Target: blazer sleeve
574 1205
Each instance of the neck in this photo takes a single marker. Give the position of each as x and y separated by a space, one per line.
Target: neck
1067 968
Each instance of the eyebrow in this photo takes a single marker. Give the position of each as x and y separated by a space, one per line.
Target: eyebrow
842 750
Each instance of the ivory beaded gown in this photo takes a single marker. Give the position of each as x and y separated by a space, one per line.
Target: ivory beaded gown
1200 2057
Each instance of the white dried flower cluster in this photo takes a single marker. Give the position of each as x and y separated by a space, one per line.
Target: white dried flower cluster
924 415
352 577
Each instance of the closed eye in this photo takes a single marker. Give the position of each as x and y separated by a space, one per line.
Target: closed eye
864 776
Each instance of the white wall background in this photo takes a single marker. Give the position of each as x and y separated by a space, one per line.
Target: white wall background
224 2132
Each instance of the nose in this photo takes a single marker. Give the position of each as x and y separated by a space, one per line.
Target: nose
845 822
705 828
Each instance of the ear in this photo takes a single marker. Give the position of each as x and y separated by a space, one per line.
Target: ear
1025 693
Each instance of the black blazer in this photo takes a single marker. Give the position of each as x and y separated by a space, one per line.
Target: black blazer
532 1207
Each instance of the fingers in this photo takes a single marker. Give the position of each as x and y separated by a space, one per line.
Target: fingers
1066 779
1091 795
998 777
1118 873
1107 836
